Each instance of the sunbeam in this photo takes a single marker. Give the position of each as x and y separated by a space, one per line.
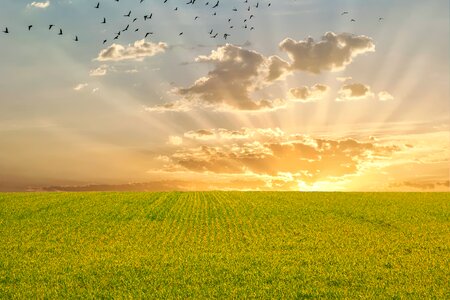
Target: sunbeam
247 95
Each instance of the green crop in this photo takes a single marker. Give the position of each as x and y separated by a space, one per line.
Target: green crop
225 245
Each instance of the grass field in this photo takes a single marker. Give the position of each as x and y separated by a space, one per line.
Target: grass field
225 245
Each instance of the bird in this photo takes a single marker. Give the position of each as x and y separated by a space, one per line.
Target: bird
148 33
60 32
6 30
181 33
50 26
352 20
76 38
104 21
29 27
344 13
128 14
98 5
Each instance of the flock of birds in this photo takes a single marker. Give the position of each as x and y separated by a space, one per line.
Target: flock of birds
215 5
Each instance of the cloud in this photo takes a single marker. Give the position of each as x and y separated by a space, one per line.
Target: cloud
100 71
237 73
137 51
278 68
177 106
202 134
354 91
332 53
238 134
80 87
421 185
385 96
273 153
306 94
39 4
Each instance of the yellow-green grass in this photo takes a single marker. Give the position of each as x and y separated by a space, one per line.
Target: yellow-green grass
225 245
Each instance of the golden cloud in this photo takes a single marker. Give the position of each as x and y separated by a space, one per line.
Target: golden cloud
263 153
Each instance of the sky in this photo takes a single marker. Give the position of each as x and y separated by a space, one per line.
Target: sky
302 99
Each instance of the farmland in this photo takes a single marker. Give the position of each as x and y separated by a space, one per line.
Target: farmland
224 245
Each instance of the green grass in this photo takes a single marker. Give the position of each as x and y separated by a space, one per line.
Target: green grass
225 245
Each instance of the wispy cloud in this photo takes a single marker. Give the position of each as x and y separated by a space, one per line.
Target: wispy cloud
137 51
80 87
39 4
